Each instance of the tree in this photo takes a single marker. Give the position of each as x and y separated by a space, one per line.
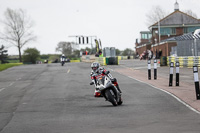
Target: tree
156 14
128 52
118 52
76 53
66 48
54 58
3 54
191 13
17 29
31 55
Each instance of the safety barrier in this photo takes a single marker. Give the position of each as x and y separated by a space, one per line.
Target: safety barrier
88 58
74 60
104 60
185 61
101 60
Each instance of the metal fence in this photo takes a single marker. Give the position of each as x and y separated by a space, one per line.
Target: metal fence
187 45
188 48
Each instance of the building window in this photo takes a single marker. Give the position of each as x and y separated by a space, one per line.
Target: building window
168 31
189 29
144 36
173 31
185 30
150 36
192 29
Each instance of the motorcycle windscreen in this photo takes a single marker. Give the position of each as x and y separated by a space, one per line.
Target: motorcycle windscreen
101 80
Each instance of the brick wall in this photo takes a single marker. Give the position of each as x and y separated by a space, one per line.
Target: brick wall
165 48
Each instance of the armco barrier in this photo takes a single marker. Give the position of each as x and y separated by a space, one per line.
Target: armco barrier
122 57
101 60
119 57
88 58
185 61
107 60
104 60
74 60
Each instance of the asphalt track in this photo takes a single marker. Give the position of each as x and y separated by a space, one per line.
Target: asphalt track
49 98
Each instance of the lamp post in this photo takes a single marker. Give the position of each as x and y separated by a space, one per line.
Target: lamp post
159 30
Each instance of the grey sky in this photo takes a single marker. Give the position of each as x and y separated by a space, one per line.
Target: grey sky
116 22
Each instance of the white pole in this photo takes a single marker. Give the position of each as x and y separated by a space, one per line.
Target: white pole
159 30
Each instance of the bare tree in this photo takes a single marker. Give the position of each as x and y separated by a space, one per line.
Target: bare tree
156 14
66 48
191 13
17 30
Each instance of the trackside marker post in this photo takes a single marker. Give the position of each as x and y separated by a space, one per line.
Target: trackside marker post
149 69
177 73
171 74
196 82
155 69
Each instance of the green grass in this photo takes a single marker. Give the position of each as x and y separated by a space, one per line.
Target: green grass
6 66
13 61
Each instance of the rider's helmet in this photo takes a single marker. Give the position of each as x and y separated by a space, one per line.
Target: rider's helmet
63 54
95 66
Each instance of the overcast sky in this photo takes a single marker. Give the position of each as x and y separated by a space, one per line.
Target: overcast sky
116 22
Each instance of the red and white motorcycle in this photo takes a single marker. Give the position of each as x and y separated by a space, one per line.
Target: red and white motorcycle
105 88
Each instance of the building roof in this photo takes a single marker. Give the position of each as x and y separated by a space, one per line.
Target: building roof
188 36
177 18
145 32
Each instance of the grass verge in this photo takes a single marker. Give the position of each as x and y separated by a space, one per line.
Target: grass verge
6 66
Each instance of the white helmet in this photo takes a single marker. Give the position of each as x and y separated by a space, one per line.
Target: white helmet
95 66
63 55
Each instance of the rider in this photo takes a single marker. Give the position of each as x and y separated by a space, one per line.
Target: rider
97 71
62 58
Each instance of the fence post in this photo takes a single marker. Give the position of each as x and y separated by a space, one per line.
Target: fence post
149 69
196 81
155 69
171 74
177 73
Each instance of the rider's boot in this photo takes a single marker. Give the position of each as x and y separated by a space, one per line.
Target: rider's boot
97 93
118 88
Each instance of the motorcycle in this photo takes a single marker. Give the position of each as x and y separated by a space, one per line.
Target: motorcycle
62 63
105 88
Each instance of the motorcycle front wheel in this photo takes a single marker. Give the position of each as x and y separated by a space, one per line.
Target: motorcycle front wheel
111 97
120 101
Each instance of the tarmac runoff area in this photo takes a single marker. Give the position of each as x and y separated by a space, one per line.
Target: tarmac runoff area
184 93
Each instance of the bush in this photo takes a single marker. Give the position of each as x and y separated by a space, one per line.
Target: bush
31 55
54 58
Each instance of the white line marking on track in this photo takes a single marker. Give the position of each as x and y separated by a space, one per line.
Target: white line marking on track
191 108
18 79
2 89
68 71
11 83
